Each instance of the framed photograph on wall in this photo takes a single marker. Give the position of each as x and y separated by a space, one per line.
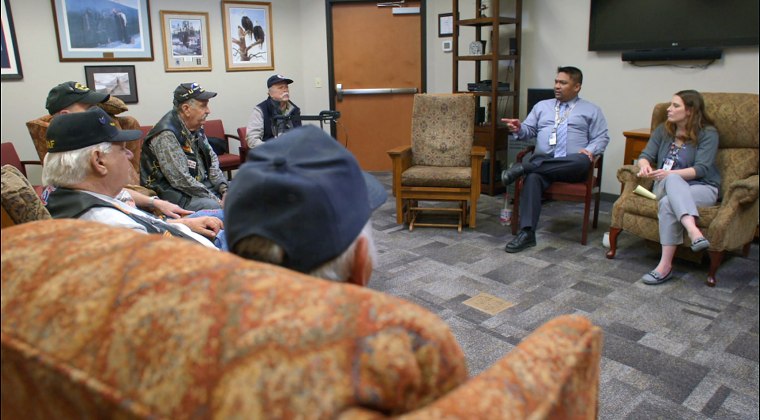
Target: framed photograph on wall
445 25
118 81
186 41
96 30
248 43
11 61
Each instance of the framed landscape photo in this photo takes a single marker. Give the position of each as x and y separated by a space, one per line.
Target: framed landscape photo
96 30
116 81
11 61
248 43
186 41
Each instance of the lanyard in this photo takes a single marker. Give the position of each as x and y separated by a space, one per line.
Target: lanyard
557 120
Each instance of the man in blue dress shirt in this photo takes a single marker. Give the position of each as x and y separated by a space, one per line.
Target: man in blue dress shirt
569 132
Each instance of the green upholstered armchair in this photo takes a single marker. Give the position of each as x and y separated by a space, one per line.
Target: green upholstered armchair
731 223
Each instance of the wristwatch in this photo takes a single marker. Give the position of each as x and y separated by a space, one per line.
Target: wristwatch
153 201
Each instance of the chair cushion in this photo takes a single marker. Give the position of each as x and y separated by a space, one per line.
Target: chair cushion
19 198
229 161
442 129
646 207
437 176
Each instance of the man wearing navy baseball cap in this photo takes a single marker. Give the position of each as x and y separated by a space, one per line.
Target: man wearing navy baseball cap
88 164
273 116
302 202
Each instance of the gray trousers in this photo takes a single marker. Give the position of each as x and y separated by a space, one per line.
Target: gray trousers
202 203
676 199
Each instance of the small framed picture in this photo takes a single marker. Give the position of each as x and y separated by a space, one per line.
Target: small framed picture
186 41
118 81
445 25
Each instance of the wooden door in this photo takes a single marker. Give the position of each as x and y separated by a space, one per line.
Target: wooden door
372 48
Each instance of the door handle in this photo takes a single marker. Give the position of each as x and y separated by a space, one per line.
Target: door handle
339 91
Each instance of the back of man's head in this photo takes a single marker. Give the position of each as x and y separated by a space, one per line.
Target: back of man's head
304 193
68 93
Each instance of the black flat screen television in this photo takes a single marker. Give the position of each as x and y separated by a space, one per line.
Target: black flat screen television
618 25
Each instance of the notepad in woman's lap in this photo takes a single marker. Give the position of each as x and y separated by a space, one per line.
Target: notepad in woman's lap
644 192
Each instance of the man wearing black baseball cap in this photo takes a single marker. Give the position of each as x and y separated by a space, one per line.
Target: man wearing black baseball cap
273 116
72 94
71 97
177 161
88 164
302 202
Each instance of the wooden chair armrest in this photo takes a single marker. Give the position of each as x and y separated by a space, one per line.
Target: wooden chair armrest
479 151
401 158
523 152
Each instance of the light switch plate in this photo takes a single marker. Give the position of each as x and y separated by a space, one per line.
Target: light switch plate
446 46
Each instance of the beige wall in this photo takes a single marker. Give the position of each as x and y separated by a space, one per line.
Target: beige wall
554 33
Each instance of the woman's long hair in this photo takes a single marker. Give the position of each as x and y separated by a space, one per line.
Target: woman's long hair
698 118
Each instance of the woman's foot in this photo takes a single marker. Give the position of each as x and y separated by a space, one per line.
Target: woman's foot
653 277
700 244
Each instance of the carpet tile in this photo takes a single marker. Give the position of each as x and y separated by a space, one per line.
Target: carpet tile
679 350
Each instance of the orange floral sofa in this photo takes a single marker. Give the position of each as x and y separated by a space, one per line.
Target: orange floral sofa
102 322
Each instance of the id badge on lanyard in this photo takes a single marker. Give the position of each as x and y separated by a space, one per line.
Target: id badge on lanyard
553 138
668 164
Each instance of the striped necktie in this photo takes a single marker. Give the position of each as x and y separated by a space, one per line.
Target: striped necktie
561 149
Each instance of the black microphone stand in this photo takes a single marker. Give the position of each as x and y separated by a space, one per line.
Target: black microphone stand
323 117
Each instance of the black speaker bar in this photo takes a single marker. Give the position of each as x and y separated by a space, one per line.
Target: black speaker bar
672 54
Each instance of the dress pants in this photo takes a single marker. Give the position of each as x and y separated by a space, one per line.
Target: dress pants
540 172
676 199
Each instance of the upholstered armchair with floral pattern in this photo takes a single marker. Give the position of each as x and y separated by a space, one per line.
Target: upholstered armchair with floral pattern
729 225
441 164
103 322
20 202
113 106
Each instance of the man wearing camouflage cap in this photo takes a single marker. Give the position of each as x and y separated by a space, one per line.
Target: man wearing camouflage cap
177 161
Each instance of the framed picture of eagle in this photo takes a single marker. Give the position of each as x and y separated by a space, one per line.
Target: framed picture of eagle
186 41
248 43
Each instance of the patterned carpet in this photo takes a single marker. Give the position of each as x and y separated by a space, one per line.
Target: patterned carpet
678 350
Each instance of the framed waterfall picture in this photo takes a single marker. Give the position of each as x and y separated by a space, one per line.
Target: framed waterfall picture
186 41
248 43
97 30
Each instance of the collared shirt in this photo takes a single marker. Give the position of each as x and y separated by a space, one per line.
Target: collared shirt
113 217
254 131
173 162
586 127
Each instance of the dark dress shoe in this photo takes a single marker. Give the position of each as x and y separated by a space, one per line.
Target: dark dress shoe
524 239
508 176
